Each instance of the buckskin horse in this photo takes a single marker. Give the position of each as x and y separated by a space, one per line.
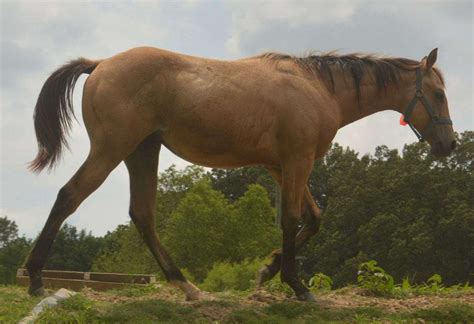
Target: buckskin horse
274 110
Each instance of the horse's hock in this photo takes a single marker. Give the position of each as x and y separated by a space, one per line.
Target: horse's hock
74 280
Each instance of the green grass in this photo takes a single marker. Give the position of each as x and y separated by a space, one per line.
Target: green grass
15 303
144 305
294 312
80 310
454 313
303 313
134 291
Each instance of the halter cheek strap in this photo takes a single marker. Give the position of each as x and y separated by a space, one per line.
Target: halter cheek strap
419 95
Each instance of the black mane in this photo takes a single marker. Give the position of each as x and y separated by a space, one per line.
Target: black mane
386 70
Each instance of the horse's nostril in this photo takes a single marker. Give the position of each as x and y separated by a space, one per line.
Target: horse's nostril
453 145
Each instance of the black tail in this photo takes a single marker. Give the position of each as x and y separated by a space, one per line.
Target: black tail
54 112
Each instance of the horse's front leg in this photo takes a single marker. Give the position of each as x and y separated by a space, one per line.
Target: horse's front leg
294 178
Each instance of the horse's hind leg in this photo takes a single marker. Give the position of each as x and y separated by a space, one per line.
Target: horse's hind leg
86 180
142 166
311 215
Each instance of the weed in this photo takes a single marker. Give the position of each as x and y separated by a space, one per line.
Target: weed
276 286
373 279
320 282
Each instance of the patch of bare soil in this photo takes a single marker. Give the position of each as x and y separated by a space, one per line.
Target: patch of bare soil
159 291
261 297
353 297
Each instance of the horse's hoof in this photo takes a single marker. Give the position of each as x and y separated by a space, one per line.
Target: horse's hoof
36 292
306 296
262 276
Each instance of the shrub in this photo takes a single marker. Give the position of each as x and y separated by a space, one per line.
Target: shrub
228 276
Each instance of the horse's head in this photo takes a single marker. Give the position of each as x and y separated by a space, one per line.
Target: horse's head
428 111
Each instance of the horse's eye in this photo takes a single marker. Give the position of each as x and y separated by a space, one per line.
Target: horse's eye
439 96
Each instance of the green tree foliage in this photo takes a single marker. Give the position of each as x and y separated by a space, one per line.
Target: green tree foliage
200 230
172 186
232 276
206 228
124 251
255 224
8 231
73 250
13 250
413 213
233 183
202 227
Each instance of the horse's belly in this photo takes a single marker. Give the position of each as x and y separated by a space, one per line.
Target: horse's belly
211 148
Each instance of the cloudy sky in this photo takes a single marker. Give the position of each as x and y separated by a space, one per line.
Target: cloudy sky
37 37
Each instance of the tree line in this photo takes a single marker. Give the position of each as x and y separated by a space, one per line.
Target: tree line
412 213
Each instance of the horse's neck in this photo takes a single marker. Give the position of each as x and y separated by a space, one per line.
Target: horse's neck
373 100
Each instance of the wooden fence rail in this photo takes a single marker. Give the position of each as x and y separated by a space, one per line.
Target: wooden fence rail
75 280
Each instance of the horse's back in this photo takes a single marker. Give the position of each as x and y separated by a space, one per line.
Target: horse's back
227 112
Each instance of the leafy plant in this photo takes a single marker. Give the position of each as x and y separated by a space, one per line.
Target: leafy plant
404 289
434 284
320 282
276 286
406 285
373 279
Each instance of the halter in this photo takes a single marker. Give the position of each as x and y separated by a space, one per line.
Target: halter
419 95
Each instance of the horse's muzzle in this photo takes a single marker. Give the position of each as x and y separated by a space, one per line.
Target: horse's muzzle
443 149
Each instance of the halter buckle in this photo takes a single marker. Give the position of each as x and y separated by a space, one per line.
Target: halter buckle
419 93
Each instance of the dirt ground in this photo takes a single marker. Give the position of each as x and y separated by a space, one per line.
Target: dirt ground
226 302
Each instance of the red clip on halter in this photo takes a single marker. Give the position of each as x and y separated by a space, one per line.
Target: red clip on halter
402 121
435 119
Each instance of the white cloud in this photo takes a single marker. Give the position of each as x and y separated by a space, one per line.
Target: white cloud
461 98
248 19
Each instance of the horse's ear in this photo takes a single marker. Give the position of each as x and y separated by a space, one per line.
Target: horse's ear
429 61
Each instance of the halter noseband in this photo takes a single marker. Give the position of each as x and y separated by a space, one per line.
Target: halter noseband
419 95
